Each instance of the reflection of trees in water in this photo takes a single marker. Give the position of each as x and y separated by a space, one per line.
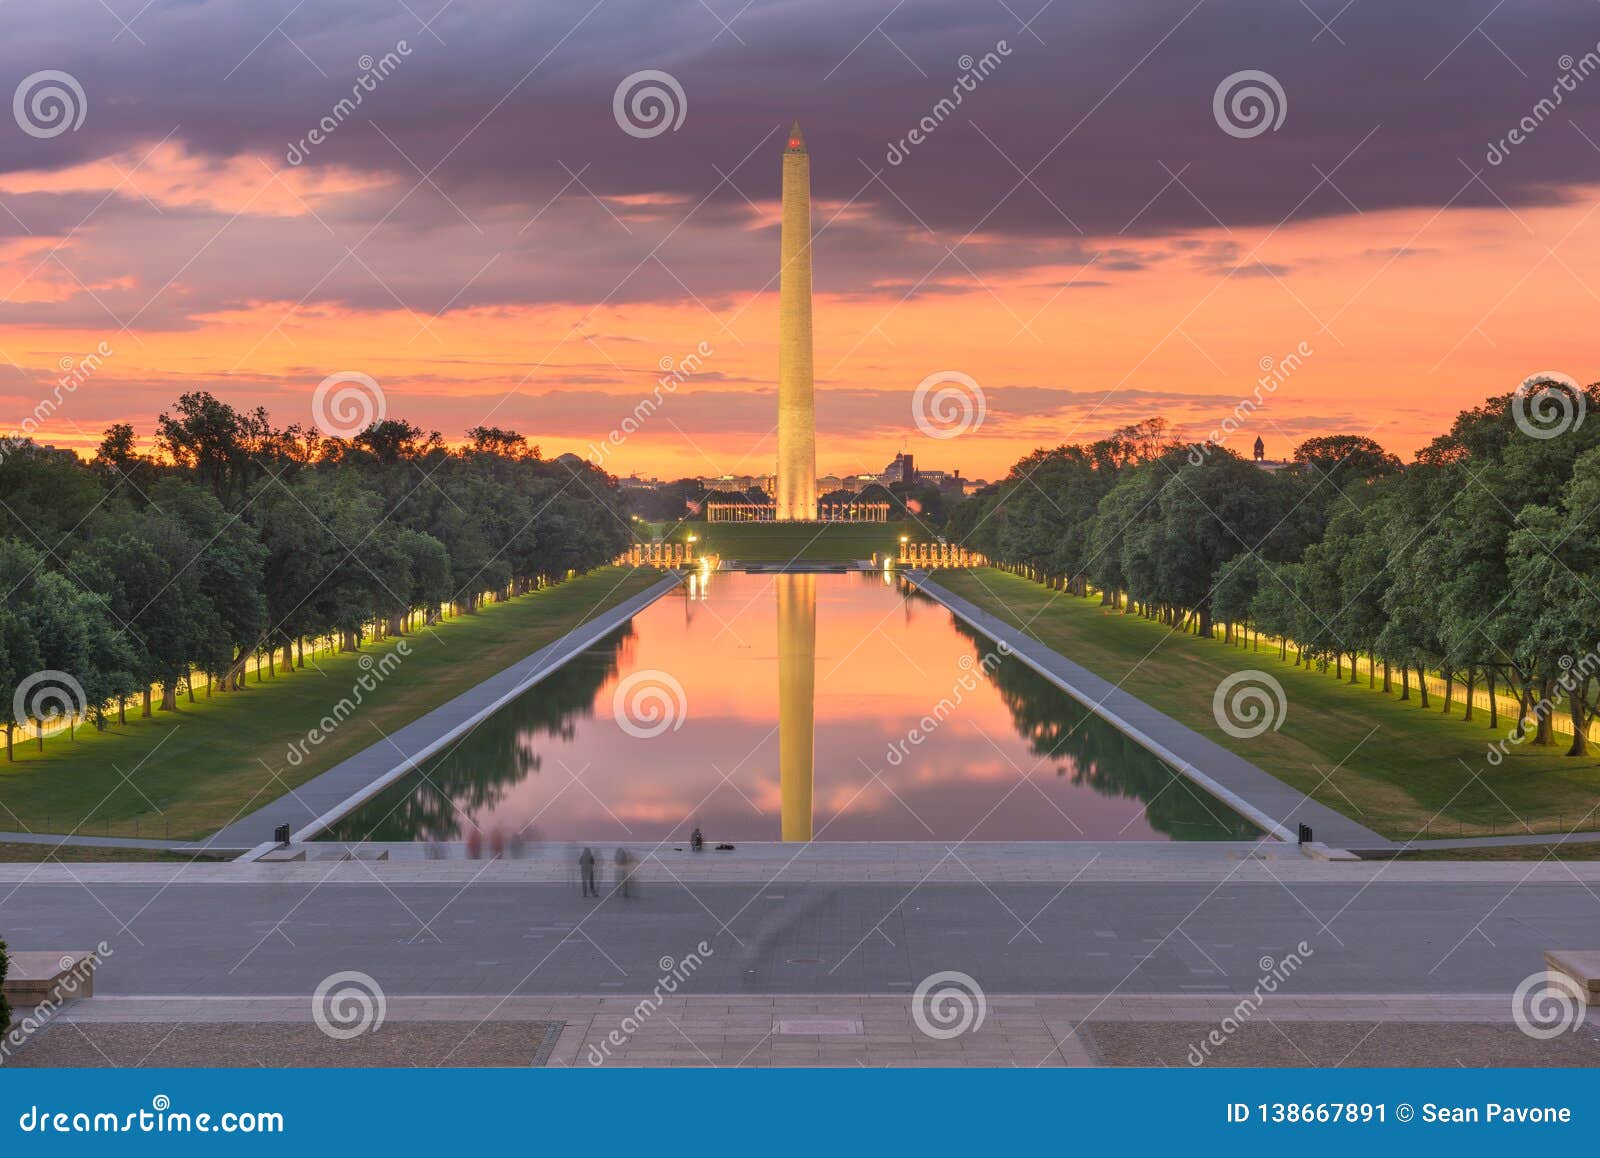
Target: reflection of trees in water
1091 752
499 753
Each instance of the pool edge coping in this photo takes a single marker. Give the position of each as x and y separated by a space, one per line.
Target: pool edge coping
551 656
950 601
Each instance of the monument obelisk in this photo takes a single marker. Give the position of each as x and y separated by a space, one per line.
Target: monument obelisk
797 700
797 412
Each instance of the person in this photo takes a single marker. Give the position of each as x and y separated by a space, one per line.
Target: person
697 842
624 872
586 869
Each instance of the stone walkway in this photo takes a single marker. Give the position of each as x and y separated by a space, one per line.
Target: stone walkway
824 1029
912 862
320 801
1253 793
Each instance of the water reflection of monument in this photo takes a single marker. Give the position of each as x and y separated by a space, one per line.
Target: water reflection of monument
797 656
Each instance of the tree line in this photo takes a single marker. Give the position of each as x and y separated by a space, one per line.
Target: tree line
235 539
1478 560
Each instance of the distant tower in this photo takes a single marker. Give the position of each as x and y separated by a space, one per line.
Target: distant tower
797 412
1261 450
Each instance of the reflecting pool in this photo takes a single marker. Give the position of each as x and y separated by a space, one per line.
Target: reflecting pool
836 706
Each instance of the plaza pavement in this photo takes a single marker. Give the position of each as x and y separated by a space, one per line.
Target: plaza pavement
836 1030
1145 919
812 953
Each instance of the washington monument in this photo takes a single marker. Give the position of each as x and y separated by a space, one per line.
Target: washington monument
797 412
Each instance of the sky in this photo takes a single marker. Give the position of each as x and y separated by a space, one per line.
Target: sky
1096 233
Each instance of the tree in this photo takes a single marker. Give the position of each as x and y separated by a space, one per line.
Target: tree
1553 559
227 450
19 652
48 494
1052 497
1341 459
74 641
118 462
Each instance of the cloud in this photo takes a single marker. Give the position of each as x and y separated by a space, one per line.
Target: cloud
494 135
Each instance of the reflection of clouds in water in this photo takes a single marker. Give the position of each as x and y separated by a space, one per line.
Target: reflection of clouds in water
892 661
855 797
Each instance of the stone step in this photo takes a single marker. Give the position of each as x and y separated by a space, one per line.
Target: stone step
38 977
1582 965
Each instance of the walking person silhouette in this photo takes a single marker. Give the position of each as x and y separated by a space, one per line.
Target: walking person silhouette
586 869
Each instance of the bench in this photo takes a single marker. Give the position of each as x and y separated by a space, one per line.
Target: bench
36 977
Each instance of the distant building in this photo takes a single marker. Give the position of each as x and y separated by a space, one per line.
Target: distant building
1264 463
902 469
739 482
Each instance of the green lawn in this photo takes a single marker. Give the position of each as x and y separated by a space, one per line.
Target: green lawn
809 542
187 773
15 853
1588 850
1399 770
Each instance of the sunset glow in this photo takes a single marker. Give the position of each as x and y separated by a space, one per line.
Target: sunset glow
552 304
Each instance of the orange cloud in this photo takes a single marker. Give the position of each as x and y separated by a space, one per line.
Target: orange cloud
1410 315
